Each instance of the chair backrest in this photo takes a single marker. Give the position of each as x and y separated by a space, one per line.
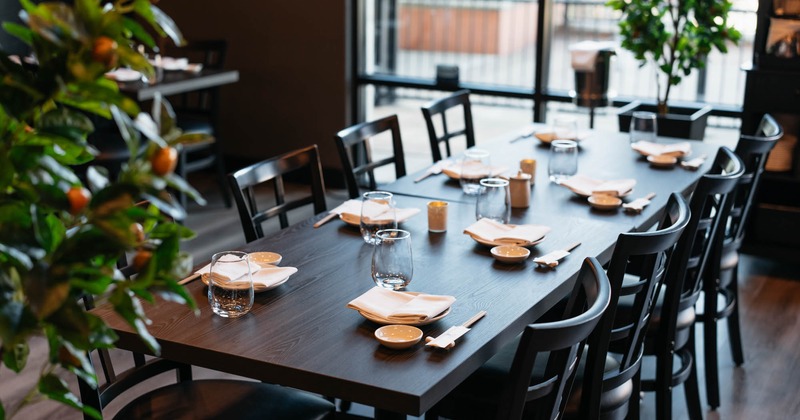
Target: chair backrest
244 181
211 54
753 150
648 255
697 255
355 152
440 107
562 343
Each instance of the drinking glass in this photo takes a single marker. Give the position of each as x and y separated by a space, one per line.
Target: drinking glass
230 284
494 200
563 161
644 126
565 128
392 266
474 167
377 212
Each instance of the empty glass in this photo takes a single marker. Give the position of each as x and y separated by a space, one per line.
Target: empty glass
563 161
392 265
565 128
377 212
494 200
644 126
474 167
230 284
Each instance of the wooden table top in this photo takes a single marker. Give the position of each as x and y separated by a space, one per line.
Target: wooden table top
302 335
602 155
175 82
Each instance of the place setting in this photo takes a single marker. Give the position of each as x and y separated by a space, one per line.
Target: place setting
375 210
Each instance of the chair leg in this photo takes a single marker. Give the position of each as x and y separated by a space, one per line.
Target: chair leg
710 346
690 387
734 330
182 160
663 385
635 402
223 184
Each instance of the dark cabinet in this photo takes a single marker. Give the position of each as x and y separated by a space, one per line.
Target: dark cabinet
773 86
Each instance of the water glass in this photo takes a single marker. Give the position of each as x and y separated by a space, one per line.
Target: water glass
644 126
230 284
565 128
392 265
494 201
563 161
377 212
474 167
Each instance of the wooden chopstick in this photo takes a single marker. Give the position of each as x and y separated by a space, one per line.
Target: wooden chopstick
324 220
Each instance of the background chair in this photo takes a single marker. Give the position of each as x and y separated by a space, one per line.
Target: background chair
753 150
198 111
355 152
440 107
533 374
243 182
670 334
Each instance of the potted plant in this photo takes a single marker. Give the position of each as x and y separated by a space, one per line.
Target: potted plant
676 36
62 235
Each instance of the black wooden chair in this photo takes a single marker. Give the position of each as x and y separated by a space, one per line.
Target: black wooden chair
670 335
753 150
440 107
355 152
198 112
304 161
533 375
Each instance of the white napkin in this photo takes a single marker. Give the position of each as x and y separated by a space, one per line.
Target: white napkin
586 186
124 75
654 149
350 211
399 306
693 164
266 276
492 231
453 170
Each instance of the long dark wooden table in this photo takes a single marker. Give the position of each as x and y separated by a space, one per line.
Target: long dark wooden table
602 155
175 82
301 335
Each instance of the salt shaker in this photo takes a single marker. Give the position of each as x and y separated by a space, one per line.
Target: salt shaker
520 186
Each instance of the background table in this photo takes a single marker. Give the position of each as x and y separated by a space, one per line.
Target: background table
301 335
175 82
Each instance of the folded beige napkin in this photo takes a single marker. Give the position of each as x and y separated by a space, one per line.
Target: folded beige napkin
350 211
266 276
583 185
492 231
453 170
124 75
400 306
654 149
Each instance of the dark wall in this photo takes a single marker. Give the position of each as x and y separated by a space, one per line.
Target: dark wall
9 12
291 59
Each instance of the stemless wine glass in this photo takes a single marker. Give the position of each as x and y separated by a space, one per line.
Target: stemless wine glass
377 212
474 167
644 126
392 265
565 127
494 201
563 161
230 284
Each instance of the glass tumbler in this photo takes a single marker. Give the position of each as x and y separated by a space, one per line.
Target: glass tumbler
377 212
494 202
230 284
392 265
563 161
565 128
644 127
474 167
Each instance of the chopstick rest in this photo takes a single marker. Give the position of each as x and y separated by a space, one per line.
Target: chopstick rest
636 206
551 259
447 340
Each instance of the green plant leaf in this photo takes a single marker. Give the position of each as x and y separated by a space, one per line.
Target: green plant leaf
138 32
56 389
21 32
15 355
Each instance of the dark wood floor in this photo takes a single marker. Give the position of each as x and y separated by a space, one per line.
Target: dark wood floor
766 387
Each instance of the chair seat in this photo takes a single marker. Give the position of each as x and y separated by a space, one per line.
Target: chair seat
685 319
195 123
730 260
226 399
